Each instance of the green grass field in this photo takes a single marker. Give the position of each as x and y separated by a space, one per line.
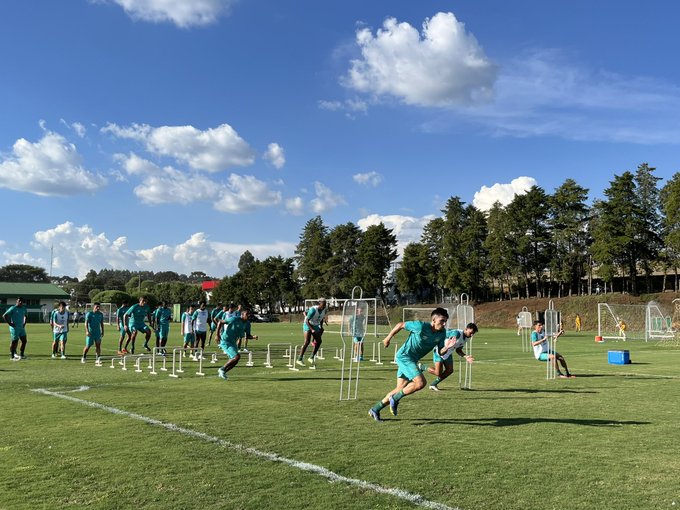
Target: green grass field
606 440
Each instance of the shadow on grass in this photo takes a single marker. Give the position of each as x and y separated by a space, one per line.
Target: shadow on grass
531 390
512 422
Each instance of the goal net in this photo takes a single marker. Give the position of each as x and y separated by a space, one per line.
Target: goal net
107 309
634 322
377 320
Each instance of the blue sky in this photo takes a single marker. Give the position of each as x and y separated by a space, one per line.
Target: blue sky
174 135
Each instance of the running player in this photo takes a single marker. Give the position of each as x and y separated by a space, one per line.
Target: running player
231 329
313 329
423 337
134 320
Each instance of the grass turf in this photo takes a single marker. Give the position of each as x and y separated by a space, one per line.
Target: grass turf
604 440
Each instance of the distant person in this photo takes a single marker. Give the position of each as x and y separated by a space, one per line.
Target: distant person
76 318
313 330
621 324
213 321
357 330
187 324
201 317
247 335
134 319
15 316
577 323
539 341
423 337
124 332
519 324
59 320
94 332
162 322
443 364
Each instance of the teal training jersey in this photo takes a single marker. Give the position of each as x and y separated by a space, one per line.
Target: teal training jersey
16 315
233 330
120 312
163 316
94 321
137 314
421 340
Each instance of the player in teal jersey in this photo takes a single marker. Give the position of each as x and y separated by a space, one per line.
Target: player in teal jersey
59 319
122 329
15 316
213 324
162 319
231 329
154 325
134 321
312 330
443 365
423 337
94 331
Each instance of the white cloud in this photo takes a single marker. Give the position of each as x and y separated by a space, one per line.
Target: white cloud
295 206
78 249
49 167
349 106
368 179
407 229
183 13
212 150
275 155
446 66
246 193
79 129
325 199
503 193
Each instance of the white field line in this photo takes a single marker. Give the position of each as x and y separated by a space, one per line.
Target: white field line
331 476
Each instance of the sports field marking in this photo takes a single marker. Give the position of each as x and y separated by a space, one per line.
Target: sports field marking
331 476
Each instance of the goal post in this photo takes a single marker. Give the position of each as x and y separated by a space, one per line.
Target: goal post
107 309
634 322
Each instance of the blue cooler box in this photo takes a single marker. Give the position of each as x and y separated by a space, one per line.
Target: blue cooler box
619 357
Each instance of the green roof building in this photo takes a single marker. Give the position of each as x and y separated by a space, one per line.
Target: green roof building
39 298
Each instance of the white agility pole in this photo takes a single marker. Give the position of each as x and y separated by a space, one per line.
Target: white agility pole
524 324
292 357
552 331
465 314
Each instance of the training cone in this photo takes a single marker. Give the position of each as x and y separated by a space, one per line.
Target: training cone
598 339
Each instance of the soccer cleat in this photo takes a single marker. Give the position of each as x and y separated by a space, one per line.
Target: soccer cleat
310 360
433 387
23 356
375 415
393 406
54 356
300 362
147 348
222 374
124 351
15 357
63 356
82 360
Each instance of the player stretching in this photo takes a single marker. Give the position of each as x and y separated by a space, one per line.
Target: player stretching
443 365
15 316
423 337
134 320
231 328
59 322
313 329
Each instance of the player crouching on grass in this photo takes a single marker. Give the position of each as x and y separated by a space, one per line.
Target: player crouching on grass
423 337
539 341
443 365
229 330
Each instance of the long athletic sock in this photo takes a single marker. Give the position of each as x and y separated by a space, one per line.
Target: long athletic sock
436 382
398 396
379 406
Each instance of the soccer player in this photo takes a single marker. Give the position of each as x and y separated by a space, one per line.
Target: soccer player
162 318
187 321
201 318
313 329
231 329
94 331
443 365
213 320
15 316
577 323
134 320
247 335
124 331
539 341
76 318
59 319
423 337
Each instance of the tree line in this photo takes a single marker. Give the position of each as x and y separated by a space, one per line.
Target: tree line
539 244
